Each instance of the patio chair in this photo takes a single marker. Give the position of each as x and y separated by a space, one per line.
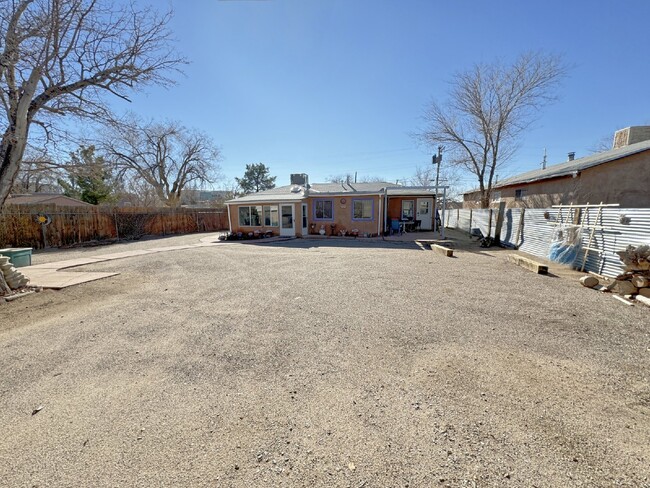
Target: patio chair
395 227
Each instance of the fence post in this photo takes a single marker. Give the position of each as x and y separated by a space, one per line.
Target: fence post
520 230
469 231
117 230
499 223
489 223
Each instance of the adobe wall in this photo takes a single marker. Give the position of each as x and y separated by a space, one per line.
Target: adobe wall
625 181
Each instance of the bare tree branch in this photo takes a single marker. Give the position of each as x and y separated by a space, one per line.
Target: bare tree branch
489 107
61 57
165 156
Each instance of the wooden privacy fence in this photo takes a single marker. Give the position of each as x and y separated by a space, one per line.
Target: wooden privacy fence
73 225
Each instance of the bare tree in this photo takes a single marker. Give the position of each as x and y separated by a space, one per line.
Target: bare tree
36 174
58 57
426 176
138 193
166 156
603 144
354 178
489 107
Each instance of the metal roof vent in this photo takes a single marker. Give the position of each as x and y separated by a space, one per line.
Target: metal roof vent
295 189
572 156
299 179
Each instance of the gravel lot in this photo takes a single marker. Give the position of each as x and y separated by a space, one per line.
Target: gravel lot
323 364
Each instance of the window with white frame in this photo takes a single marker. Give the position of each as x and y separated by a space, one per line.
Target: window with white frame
271 214
323 209
250 216
362 209
407 209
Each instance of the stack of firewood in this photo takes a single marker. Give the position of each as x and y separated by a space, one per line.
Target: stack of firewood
636 278
635 281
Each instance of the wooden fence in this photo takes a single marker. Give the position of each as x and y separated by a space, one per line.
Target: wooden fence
74 225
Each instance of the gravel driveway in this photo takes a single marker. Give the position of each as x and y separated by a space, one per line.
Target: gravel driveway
323 364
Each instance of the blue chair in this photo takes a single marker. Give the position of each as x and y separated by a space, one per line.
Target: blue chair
395 227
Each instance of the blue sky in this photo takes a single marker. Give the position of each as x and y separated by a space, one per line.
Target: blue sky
336 86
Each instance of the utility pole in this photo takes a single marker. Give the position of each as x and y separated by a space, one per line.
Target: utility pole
436 159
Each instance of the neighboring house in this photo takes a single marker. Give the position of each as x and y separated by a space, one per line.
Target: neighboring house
45 199
300 208
620 175
203 198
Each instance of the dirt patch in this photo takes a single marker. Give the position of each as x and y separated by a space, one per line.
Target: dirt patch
326 364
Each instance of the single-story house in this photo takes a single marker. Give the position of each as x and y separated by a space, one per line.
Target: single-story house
57 199
299 209
620 175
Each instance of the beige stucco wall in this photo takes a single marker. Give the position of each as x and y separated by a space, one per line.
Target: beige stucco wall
625 181
342 216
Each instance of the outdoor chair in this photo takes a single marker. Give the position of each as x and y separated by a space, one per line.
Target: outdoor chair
395 227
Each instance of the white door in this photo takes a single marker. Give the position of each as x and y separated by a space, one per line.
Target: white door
287 226
304 219
423 213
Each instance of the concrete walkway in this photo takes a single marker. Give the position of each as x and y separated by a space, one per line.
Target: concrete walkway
49 275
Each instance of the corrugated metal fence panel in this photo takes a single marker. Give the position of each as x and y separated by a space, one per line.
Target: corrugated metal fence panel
481 219
451 218
615 237
538 231
463 220
510 227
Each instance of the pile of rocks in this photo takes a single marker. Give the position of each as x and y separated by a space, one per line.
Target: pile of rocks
10 277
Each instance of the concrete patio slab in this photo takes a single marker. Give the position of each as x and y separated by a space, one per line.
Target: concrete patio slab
170 248
49 278
70 263
127 254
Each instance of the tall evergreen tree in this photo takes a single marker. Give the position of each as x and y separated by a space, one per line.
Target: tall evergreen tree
256 178
89 177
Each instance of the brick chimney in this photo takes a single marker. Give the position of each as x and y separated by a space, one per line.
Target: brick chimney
631 135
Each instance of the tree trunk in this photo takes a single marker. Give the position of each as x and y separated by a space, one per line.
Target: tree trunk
11 154
485 200
8 170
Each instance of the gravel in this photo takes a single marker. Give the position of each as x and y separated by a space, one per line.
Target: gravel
322 363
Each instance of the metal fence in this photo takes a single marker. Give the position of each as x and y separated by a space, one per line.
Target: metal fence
616 228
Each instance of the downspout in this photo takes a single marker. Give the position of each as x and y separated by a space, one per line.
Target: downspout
383 224
380 213
229 223
444 210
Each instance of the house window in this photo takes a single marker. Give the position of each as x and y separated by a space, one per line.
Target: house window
323 209
362 209
407 209
250 216
520 194
244 216
271 216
